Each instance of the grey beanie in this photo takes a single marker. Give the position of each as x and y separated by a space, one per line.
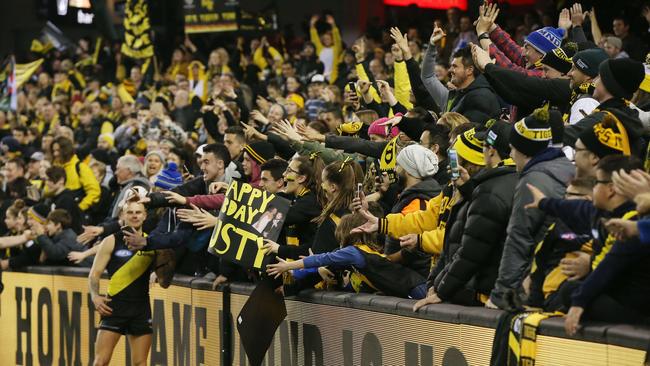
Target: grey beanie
418 161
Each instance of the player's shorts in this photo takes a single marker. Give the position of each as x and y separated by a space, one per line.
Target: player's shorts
132 318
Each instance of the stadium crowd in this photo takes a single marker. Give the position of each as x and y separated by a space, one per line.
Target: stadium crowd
520 181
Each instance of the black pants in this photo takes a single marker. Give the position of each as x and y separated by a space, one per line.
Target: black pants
603 308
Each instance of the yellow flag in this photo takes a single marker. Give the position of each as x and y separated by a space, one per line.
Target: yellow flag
25 71
137 43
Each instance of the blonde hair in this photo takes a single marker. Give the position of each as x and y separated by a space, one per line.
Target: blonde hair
452 120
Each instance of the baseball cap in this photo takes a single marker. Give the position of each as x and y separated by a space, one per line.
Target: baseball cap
318 78
199 150
497 135
37 156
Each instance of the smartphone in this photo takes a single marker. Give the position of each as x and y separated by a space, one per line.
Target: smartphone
359 189
453 163
352 86
128 229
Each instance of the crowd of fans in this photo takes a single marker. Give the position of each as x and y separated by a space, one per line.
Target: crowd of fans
539 203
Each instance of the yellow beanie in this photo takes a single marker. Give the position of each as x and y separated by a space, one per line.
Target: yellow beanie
108 138
470 148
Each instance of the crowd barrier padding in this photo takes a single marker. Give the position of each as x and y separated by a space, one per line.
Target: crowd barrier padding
47 318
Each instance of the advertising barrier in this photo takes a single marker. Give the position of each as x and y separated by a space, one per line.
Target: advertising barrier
47 318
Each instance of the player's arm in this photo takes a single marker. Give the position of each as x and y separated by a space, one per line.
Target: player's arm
99 265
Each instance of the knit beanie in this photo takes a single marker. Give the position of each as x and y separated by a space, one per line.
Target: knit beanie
377 129
108 137
160 154
470 148
607 137
418 161
560 58
622 77
532 134
546 39
588 61
169 177
260 151
297 99
39 212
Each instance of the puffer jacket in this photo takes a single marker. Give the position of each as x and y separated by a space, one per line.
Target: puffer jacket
550 171
475 265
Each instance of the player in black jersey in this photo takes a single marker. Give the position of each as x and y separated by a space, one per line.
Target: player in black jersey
126 309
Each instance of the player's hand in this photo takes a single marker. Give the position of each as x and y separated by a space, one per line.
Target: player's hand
101 305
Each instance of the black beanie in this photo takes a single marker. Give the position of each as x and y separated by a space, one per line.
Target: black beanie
260 151
622 77
101 156
588 61
532 135
607 137
560 58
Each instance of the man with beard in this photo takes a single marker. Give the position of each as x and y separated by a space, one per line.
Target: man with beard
471 95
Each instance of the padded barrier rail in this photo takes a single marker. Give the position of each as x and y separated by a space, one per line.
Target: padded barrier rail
46 317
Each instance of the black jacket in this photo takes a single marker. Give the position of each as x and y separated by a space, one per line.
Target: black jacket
527 92
298 225
475 266
65 201
60 245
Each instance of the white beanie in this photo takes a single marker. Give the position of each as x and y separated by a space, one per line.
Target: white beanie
418 161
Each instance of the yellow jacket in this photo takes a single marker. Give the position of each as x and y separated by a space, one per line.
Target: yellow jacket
84 179
429 223
337 52
362 75
402 85
260 60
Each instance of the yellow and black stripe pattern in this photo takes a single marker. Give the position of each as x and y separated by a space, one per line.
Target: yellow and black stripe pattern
470 148
137 42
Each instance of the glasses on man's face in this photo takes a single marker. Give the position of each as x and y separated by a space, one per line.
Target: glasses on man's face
578 149
602 181
568 194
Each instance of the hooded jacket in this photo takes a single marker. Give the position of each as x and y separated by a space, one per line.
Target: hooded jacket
550 171
60 245
477 102
80 178
473 251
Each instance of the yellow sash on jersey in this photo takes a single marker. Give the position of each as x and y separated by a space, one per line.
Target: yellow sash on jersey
130 271
609 242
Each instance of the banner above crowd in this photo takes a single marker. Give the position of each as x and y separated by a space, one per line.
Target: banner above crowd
206 16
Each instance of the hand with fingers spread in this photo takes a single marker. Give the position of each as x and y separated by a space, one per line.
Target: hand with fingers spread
76 257
537 196
432 298
259 117
631 184
285 130
572 320
134 241
277 269
327 276
577 15
402 42
175 198
371 225
487 16
310 134
270 247
198 217
89 234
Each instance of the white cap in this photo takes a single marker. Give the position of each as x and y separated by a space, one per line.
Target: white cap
318 78
199 150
